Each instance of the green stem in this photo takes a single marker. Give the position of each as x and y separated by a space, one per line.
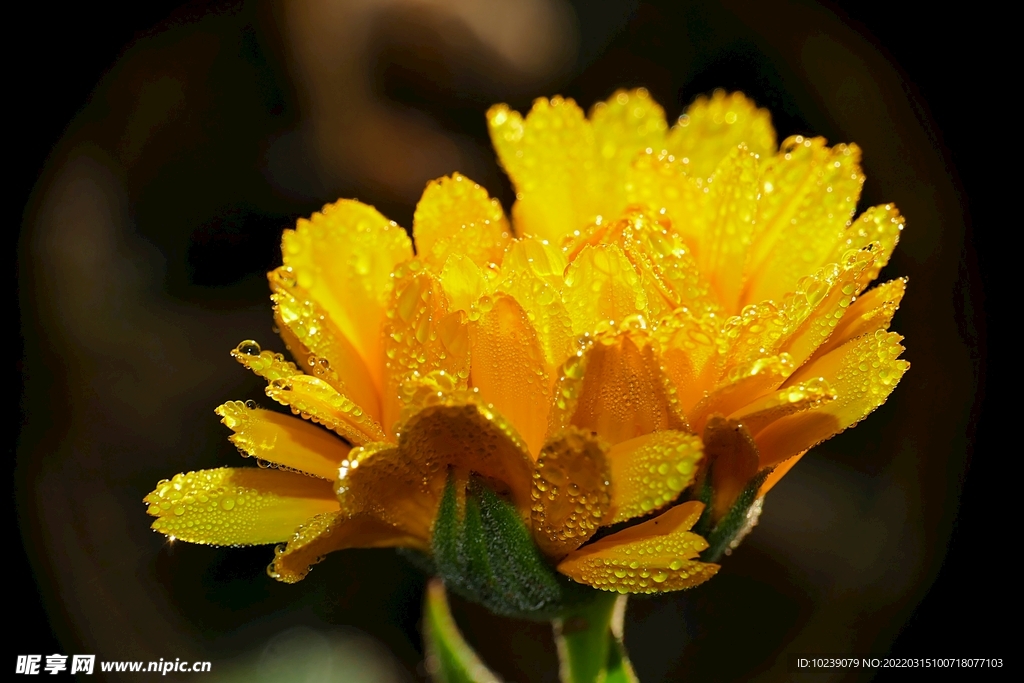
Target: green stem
589 640
450 659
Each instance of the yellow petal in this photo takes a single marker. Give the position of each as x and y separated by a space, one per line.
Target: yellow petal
726 222
332 531
809 195
624 393
879 226
743 385
690 351
344 257
402 485
508 367
652 557
777 405
316 400
660 182
601 288
421 335
550 158
464 282
650 471
862 372
570 492
231 506
872 311
283 440
456 216
732 456
712 127
319 346
628 122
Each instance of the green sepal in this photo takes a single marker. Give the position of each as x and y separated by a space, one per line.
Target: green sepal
450 659
488 556
734 521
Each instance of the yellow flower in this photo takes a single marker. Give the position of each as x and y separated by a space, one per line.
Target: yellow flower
672 315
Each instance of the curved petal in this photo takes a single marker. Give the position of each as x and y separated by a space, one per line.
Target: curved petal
793 399
464 282
332 531
570 491
733 461
743 385
456 216
283 440
549 156
421 335
872 311
402 485
653 557
318 345
617 389
509 369
650 471
713 126
344 256
237 506
601 288
810 194
862 372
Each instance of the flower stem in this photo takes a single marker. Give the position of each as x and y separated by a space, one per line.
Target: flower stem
589 640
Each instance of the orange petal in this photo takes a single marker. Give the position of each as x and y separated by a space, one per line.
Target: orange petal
231 506
732 457
403 485
775 406
332 531
743 385
650 471
601 288
550 158
810 194
316 342
456 216
344 257
862 372
652 557
570 491
508 367
714 126
421 335
624 393
283 440
777 473
690 349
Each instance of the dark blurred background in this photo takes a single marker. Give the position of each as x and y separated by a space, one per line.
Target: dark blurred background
160 150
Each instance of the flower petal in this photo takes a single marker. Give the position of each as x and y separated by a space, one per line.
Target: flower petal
316 342
237 506
690 350
402 485
650 471
283 440
601 287
421 335
570 491
863 372
712 127
733 461
872 311
464 282
344 257
775 406
879 226
332 531
316 400
652 557
550 158
509 369
625 124
542 302
622 391
456 216
661 182
743 385
725 223
810 194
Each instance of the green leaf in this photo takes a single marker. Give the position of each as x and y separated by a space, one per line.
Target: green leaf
589 640
734 521
487 555
450 659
